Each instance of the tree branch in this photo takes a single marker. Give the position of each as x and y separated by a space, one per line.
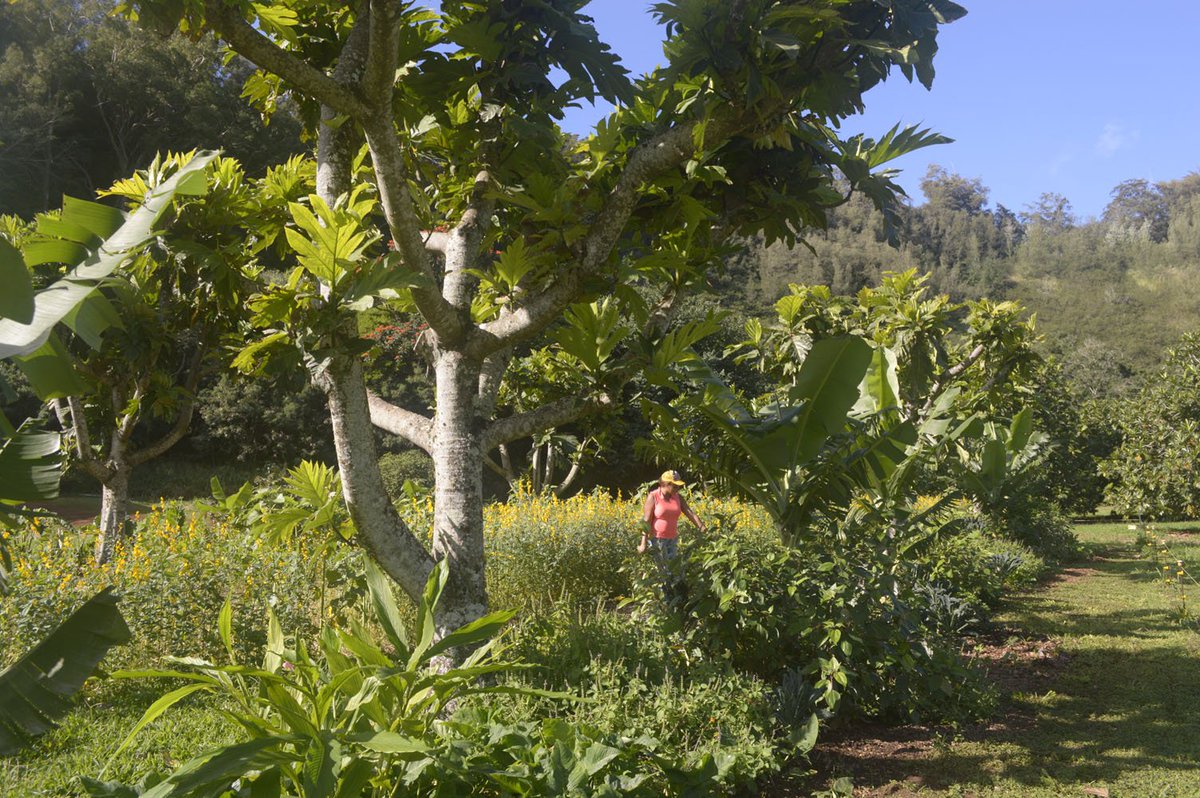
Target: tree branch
553 414
464 245
379 73
261 51
183 420
665 151
950 374
490 463
490 378
83 441
380 529
172 437
391 177
413 427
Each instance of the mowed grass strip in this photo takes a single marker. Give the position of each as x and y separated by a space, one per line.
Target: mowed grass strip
1123 714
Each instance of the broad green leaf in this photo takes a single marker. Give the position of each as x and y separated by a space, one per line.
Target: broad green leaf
386 610
93 266
220 767
1021 430
426 626
225 627
828 383
476 631
387 742
880 387
98 219
51 370
91 317
594 759
324 755
16 290
38 688
30 464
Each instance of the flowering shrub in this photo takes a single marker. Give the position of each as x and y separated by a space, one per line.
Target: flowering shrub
174 573
581 549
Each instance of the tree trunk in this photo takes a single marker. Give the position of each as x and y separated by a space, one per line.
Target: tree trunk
380 529
458 491
114 512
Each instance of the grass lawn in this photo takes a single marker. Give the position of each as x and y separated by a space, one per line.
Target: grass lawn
1120 713
88 736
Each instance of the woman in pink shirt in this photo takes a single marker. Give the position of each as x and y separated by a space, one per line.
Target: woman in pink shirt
660 516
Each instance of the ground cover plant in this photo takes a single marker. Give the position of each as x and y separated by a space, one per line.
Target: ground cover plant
606 639
1111 711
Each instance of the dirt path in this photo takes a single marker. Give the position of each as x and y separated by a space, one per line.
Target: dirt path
1100 696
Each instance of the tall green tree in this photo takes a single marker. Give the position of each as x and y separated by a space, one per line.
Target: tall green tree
145 334
458 110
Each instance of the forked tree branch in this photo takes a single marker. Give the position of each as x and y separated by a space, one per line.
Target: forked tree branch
183 420
665 151
552 414
247 41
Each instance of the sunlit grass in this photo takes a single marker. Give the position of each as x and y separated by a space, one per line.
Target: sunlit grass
1123 712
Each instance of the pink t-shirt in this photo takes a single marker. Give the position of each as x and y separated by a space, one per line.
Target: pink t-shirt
666 513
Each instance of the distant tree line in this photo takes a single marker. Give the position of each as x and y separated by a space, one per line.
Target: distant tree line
1110 294
87 98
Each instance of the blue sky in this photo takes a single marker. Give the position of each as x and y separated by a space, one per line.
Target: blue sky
1070 96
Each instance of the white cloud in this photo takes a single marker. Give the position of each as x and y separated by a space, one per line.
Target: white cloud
1113 138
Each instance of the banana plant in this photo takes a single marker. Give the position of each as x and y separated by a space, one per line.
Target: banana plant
1008 452
774 454
38 688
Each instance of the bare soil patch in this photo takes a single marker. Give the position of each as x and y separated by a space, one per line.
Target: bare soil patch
890 760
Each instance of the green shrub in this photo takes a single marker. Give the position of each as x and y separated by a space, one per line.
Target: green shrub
241 418
396 468
980 567
1037 523
329 716
853 628
638 681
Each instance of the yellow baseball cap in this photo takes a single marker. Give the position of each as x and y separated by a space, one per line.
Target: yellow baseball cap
672 477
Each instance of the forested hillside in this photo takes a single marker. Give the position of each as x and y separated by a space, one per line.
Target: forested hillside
1110 294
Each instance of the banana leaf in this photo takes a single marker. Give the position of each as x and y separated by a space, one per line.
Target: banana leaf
39 688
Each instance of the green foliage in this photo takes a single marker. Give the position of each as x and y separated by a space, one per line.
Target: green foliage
640 682
355 715
37 689
93 241
843 630
1153 470
979 566
241 419
398 468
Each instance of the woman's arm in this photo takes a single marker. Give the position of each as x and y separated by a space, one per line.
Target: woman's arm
647 519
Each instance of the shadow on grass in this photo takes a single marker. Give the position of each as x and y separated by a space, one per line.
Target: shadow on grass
1115 712
1115 708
